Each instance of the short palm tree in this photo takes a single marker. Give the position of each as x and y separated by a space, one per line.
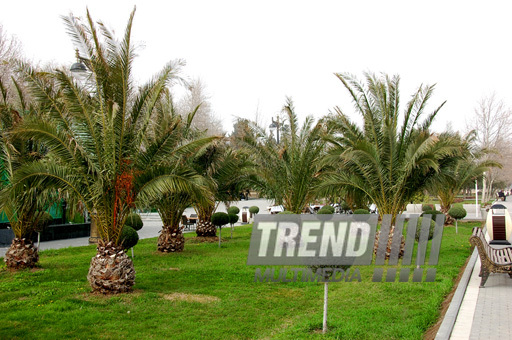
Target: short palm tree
95 133
458 174
387 160
23 210
225 172
169 130
290 171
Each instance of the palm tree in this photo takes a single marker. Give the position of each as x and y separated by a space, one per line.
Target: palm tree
95 133
388 161
290 171
172 131
225 172
453 178
22 210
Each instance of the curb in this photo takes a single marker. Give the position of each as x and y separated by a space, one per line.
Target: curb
450 317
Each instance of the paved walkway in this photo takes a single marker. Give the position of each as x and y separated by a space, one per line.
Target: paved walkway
485 313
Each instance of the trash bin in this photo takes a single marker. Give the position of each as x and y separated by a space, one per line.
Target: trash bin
245 213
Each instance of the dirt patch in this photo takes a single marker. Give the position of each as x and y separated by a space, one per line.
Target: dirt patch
191 298
203 239
431 333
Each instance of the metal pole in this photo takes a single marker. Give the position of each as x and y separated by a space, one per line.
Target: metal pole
477 210
277 129
326 290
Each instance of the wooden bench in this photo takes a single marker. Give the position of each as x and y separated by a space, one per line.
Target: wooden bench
492 260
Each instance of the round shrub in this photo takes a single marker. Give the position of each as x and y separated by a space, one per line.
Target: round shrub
233 210
433 213
286 212
361 211
426 207
457 213
430 231
254 210
329 208
129 237
233 218
220 218
324 212
134 220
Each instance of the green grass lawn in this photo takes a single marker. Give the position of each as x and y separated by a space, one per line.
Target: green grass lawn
209 293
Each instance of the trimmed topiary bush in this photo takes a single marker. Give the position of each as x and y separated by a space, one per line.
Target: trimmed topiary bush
323 211
458 213
361 211
129 237
219 219
418 228
254 210
135 221
426 207
433 213
328 207
233 218
233 210
286 212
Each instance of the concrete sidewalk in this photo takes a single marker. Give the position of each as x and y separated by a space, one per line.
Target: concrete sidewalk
484 313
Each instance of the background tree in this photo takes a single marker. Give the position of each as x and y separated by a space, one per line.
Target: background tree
10 51
493 125
197 99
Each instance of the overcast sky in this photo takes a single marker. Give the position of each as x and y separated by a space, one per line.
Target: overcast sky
252 54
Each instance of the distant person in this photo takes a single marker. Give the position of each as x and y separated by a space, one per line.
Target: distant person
501 195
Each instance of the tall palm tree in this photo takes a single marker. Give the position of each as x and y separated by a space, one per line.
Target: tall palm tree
290 171
387 160
95 133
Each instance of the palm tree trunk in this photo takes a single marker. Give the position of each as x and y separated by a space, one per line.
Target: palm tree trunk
205 227
111 270
171 240
448 219
21 254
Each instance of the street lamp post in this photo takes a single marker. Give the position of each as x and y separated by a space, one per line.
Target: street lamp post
275 127
79 66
